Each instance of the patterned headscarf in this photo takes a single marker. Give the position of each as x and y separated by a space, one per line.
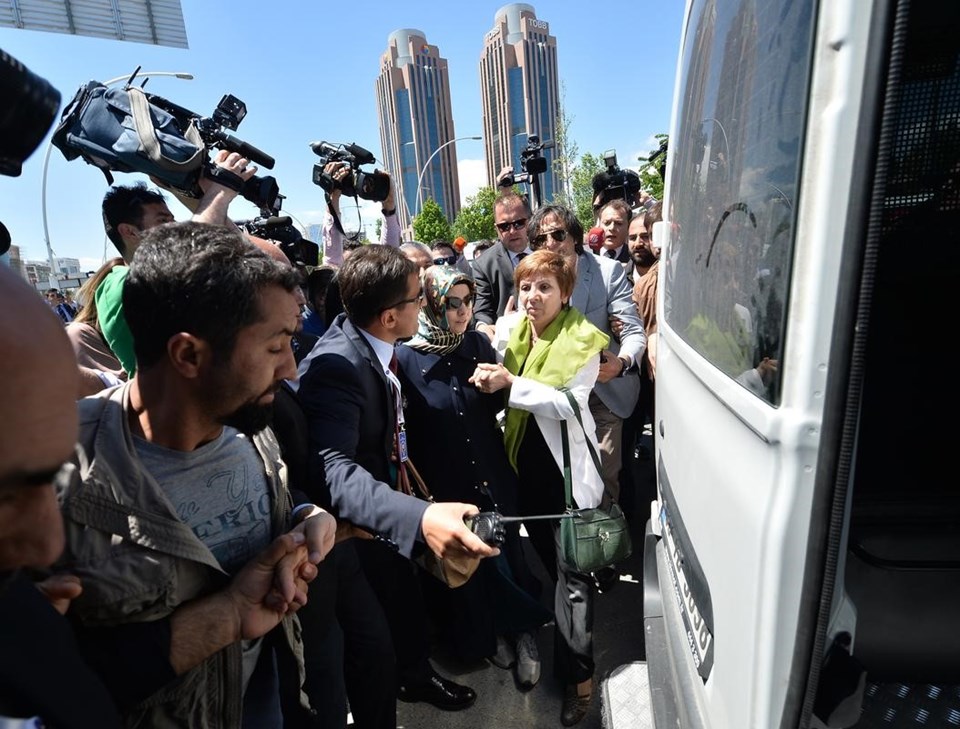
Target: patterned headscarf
433 334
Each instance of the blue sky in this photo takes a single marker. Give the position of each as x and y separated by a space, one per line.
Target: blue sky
306 71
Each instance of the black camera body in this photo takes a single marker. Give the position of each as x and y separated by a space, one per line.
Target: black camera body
532 162
30 105
615 183
299 251
264 192
373 186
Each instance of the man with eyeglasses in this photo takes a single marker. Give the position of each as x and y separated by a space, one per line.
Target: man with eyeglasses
493 272
443 253
350 395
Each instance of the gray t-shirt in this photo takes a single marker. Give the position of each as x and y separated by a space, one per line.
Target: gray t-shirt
219 490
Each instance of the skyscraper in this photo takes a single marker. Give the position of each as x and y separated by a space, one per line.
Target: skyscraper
413 102
520 92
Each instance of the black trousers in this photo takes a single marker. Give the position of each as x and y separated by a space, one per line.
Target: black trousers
348 649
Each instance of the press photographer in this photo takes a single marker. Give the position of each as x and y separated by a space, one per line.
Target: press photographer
615 184
338 173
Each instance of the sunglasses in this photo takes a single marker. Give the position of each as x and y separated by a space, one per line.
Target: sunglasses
418 298
511 224
559 235
449 260
455 302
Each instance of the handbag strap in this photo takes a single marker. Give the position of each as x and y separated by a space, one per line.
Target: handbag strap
565 442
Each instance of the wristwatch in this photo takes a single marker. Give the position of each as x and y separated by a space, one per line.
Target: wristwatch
626 366
387 213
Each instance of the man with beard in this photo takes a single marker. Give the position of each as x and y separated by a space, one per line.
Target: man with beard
177 513
640 245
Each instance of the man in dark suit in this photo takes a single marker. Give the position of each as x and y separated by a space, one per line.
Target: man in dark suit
351 395
615 221
493 272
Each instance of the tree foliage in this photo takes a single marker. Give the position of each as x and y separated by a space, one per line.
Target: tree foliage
650 179
581 185
431 224
475 219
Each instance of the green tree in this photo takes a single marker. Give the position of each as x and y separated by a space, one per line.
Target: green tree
581 186
475 219
650 179
378 227
431 224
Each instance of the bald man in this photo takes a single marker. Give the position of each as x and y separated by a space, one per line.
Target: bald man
41 673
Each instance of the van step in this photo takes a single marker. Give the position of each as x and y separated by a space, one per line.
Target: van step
895 705
625 698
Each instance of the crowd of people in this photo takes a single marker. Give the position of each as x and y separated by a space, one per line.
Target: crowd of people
244 498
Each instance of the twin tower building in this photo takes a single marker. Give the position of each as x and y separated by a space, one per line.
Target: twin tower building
520 97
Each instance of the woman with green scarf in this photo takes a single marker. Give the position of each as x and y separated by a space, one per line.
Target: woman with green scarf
550 345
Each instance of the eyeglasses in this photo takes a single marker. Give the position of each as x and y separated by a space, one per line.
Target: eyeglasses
418 298
559 235
642 237
455 302
511 224
449 260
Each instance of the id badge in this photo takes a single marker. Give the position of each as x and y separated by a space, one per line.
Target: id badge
402 446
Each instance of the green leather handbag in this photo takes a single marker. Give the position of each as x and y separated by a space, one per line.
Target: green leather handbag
598 537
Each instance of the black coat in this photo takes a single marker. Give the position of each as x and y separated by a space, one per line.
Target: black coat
452 435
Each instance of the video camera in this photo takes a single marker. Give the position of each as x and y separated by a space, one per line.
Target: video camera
373 186
261 191
614 183
298 250
533 164
30 104
124 129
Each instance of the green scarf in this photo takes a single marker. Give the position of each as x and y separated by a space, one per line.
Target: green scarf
561 351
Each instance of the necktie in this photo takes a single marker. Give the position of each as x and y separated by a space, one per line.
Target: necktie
520 256
399 434
611 254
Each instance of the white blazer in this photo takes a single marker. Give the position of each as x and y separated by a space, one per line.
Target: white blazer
549 407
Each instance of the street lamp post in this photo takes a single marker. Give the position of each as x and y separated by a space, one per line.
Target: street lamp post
427 164
46 163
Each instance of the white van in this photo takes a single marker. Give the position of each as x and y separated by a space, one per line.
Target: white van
802 561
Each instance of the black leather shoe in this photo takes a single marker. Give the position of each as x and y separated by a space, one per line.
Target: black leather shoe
439 691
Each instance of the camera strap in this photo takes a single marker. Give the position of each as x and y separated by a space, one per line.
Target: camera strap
336 217
224 177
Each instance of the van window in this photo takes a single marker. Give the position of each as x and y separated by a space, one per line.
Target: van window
734 180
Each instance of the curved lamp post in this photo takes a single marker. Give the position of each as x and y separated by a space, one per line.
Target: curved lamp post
427 164
46 163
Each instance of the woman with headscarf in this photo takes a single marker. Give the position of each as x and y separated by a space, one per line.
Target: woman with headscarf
457 448
549 348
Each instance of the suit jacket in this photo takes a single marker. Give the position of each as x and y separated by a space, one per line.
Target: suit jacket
350 413
493 273
601 291
623 258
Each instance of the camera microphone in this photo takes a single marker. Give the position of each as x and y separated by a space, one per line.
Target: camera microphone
247 150
363 156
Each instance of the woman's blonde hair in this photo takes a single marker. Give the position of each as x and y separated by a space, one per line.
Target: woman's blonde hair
88 294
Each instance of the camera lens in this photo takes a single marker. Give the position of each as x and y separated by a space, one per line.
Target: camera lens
30 105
